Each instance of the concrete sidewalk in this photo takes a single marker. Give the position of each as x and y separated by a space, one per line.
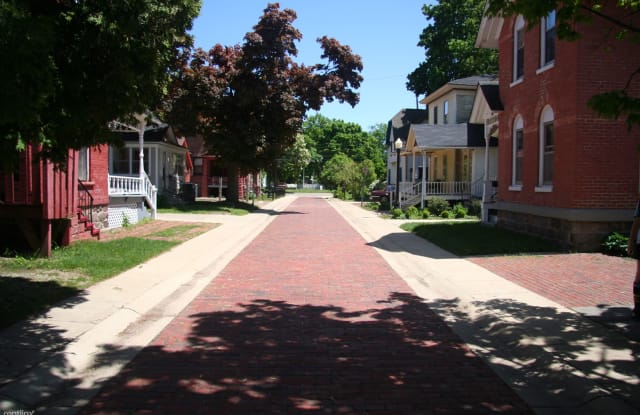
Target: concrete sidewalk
554 358
54 363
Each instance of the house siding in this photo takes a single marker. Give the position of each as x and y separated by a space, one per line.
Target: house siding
595 160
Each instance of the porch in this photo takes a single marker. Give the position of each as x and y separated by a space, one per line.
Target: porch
414 193
135 187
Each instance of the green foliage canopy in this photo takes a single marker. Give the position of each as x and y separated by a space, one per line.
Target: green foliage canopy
70 67
329 137
449 43
248 101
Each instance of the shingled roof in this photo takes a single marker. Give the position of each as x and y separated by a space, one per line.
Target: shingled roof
441 136
399 125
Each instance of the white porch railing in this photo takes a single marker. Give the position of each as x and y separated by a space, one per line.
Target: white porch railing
413 193
135 186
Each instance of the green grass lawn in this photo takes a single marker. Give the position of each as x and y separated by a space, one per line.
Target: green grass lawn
29 285
238 209
468 239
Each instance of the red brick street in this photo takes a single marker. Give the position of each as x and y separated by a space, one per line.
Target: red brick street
307 319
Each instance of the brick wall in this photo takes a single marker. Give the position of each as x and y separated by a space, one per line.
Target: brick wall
595 160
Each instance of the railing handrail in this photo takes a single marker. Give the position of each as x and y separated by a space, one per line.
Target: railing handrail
85 191
135 186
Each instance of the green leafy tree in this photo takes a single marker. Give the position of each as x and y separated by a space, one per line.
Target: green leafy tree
328 137
249 101
70 67
572 17
294 159
449 42
338 172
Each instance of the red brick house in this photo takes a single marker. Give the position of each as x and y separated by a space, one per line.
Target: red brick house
565 173
210 173
41 206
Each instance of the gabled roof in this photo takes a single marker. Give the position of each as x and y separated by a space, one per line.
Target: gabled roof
399 125
491 92
489 32
442 136
468 83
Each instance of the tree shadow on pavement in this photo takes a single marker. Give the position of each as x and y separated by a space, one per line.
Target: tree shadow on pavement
272 357
409 243
559 359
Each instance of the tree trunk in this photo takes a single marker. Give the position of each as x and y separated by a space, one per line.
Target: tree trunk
232 184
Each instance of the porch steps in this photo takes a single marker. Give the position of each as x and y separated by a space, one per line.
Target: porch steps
88 225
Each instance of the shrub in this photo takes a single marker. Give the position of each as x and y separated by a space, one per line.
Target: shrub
372 206
396 213
615 244
426 213
437 205
384 204
459 211
412 212
476 208
446 214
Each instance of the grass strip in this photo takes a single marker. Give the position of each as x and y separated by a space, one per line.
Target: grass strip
469 239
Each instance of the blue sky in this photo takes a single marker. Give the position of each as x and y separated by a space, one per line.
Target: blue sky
385 34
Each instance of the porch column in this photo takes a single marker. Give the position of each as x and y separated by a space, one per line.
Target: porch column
485 188
413 169
142 123
424 179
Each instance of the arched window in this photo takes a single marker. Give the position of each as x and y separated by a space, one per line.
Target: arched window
518 49
518 154
548 39
545 171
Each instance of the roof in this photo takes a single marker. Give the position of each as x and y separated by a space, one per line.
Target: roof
468 83
197 146
491 92
399 125
440 136
489 31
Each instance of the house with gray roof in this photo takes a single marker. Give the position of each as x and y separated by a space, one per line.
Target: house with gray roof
447 155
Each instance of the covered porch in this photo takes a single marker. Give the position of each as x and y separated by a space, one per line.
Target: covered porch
445 161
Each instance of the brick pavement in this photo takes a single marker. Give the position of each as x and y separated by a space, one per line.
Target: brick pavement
572 280
308 319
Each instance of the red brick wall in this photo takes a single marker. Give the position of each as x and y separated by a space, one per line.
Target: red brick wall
595 160
99 171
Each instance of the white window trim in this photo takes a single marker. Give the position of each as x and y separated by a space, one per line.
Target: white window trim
87 153
546 116
518 124
545 68
519 24
543 47
515 188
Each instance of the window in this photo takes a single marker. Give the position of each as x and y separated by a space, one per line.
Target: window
518 154
445 113
435 115
127 160
445 167
83 164
548 39
518 49
197 166
545 175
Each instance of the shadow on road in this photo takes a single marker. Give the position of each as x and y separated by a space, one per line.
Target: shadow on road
268 357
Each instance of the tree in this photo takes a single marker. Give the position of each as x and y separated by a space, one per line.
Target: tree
622 18
338 172
449 44
249 101
294 159
328 137
70 67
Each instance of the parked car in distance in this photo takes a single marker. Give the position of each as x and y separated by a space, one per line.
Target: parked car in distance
378 195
